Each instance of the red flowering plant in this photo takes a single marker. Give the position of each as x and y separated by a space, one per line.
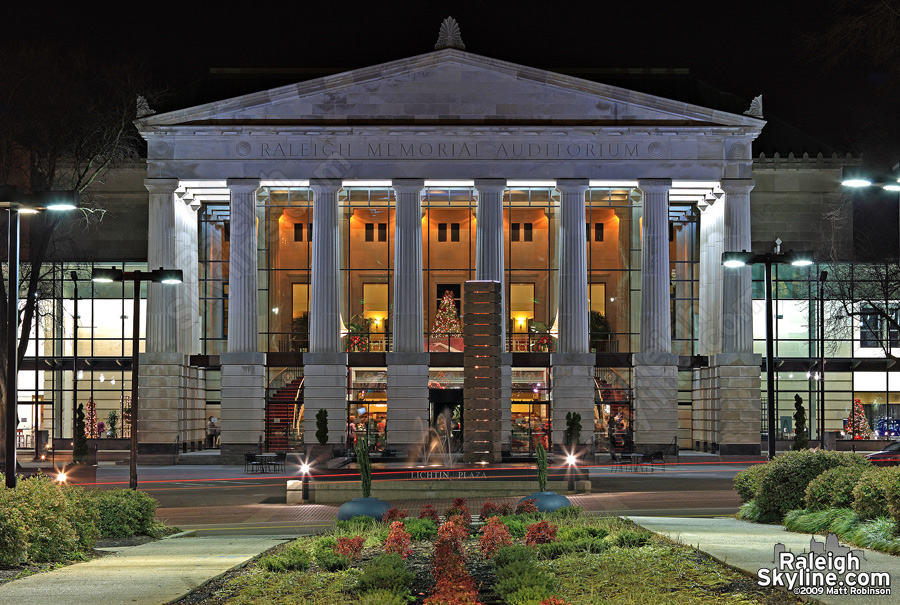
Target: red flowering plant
349 547
489 509
554 601
429 512
454 585
541 532
393 514
398 540
459 508
526 506
494 536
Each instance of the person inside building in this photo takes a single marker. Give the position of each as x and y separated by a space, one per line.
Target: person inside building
211 431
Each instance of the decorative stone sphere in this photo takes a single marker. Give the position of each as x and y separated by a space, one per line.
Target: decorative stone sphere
547 502
363 507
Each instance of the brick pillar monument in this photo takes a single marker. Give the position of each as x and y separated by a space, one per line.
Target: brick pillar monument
483 341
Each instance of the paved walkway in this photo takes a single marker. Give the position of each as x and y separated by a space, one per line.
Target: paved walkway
151 574
750 547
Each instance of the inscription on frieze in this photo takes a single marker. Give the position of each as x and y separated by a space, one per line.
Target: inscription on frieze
441 149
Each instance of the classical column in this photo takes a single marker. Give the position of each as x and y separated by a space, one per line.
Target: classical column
655 367
162 318
656 324
188 295
325 269
737 293
409 317
325 366
572 382
243 367
736 368
243 315
573 294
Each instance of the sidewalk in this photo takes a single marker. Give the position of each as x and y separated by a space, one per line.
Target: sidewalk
153 573
751 546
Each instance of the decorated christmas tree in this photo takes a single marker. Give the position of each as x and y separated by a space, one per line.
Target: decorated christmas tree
90 420
857 424
446 322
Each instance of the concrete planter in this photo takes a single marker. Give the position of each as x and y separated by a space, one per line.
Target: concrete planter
363 507
547 502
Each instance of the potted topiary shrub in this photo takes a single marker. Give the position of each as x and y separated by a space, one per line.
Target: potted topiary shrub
322 451
573 430
545 501
365 506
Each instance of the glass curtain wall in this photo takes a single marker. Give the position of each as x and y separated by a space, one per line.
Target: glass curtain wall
531 228
367 266
285 251
448 239
101 334
214 231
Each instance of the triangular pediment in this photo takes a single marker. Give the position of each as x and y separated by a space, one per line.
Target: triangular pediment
449 87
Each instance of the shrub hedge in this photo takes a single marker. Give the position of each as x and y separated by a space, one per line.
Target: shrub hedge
833 488
870 496
124 512
782 486
746 482
45 521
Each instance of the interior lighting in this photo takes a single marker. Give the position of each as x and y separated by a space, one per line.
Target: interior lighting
102 378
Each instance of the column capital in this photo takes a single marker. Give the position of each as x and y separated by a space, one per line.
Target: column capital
737 186
408 185
248 185
161 185
325 185
654 185
490 185
572 185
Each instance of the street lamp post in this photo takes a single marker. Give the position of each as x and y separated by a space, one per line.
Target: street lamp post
165 276
798 259
18 203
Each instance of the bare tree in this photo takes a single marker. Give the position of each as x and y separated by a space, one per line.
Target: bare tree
65 121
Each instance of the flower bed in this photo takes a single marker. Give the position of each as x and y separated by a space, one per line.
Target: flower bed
404 562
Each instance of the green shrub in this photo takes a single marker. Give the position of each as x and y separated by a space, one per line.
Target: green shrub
522 576
385 572
751 512
879 534
356 525
822 521
870 496
508 554
892 493
323 553
782 486
578 532
42 521
516 525
746 482
529 595
124 512
293 558
630 538
420 529
833 488
554 550
382 597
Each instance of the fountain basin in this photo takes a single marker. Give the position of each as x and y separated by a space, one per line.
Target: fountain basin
547 502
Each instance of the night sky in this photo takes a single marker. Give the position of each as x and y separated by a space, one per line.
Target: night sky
745 48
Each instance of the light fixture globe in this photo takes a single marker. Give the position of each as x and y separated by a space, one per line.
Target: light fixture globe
167 276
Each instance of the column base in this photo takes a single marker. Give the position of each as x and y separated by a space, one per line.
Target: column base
243 401
571 390
408 407
737 381
655 401
325 387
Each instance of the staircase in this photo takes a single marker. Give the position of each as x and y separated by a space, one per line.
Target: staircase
280 409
